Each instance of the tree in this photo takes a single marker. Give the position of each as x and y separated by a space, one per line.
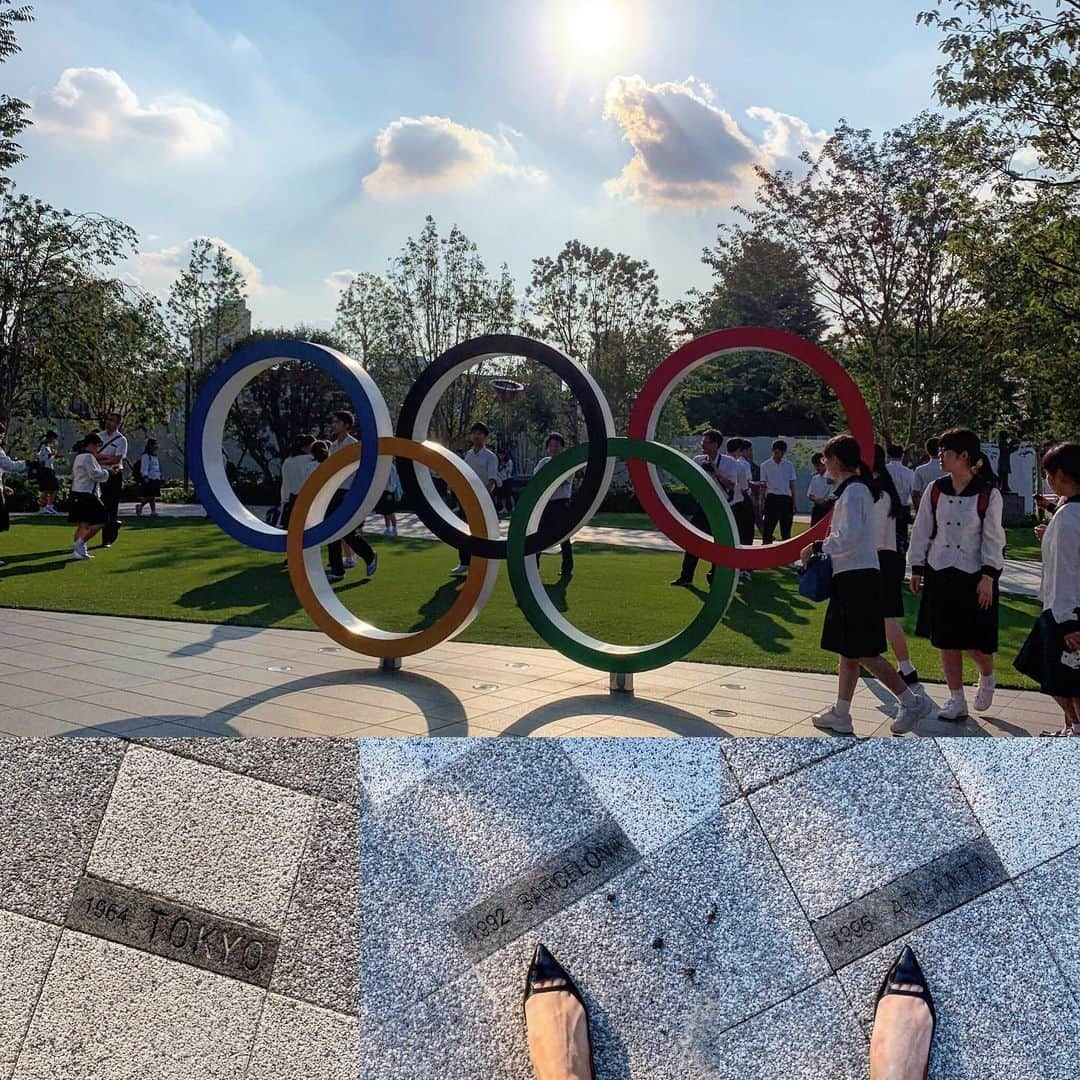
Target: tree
1012 72
13 118
47 258
602 308
875 224
206 308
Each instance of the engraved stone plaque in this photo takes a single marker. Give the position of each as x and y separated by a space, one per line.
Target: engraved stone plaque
173 930
545 889
888 913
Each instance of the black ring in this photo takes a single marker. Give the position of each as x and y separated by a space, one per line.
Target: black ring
598 425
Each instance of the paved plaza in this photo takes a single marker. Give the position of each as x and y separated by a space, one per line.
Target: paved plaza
728 907
67 674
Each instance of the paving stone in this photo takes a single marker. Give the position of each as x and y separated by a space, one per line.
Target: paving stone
655 788
1003 1008
1025 793
1051 894
857 820
341 782
297 1040
318 959
387 767
26 950
811 1036
110 1013
757 762
52 797
222 842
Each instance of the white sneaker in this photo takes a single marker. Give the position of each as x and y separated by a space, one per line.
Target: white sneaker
908 716
830 720
984 697
955 711
372 566
459 571
81 554
349 563
390 531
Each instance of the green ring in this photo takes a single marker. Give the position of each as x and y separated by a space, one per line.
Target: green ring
562 635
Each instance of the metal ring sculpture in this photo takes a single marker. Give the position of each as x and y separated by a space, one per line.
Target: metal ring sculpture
369 465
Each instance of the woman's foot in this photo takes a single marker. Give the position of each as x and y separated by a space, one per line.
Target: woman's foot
903 1024
557 1024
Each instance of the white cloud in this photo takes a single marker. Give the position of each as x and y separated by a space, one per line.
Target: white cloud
338 280
97 104
688 151
429 153
159 268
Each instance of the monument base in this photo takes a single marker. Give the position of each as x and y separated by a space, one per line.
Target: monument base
390 664
622 682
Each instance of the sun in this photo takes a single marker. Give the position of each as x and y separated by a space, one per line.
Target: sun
594 28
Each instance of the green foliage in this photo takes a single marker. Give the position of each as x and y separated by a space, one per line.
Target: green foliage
13 118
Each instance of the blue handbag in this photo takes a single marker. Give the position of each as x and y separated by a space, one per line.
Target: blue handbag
815 579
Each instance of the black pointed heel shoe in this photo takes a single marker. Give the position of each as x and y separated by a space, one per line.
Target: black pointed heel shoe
906 969
545 968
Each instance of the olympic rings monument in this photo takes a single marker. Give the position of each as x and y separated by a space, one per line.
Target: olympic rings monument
378 443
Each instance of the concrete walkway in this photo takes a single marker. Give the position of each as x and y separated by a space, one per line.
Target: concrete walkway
65 674
728 907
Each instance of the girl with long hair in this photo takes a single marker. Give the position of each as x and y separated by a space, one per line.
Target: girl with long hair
957 554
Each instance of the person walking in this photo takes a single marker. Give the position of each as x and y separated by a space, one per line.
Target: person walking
742 506
112 454
388 502
149 479
853 626
724 473
7 464
295 469
1051 654
87 512
557 512
486 465
957 554
341 425
820 491
926 473
504 502
903 480
48 485
778 476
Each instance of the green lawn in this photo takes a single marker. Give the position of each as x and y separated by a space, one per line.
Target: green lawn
188 569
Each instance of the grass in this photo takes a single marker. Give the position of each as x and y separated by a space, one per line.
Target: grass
187 569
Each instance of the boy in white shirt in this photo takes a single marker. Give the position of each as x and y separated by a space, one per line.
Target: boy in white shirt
485 464
820 491
10 465
724 472
903 480
778 476
558 507
926 473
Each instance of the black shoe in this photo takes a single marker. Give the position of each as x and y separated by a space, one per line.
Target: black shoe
911 680
545 968
906 970
682 583
566 572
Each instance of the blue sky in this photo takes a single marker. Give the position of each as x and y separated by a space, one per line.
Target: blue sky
313 138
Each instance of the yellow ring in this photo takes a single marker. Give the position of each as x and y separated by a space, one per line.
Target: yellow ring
308 575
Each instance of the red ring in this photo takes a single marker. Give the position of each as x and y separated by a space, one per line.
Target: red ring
646 412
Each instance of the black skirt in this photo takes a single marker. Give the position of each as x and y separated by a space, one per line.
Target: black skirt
854 626
950 615
1040 659
47 481
387 504
86 507
892 584
150 489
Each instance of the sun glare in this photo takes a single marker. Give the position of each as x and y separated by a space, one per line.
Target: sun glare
594 28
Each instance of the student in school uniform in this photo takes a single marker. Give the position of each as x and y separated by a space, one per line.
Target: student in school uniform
557 510
778 476
957 553
854 627
723 471
926 473
113 455
485 464
7 464
743 506
48 485
504 480
388 502
887 511
1051 653
820 491
295 469
903 480
149 479
341 425
87 511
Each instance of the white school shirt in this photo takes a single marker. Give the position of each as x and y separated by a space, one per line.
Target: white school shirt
150 467
723 467
117 444
778 476
853 531
46 455
1060 588
903 478
392 482
925 475
565 488
506 472
963 539
10 464
86 474
340 444
485 463
745 477
884 523
821 486
294 471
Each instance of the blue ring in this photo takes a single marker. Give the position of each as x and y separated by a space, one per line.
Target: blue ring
366 430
